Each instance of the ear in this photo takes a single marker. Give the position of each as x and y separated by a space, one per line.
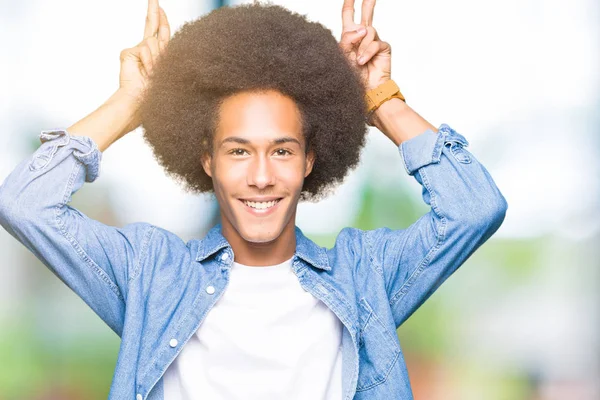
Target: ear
207 163
310 160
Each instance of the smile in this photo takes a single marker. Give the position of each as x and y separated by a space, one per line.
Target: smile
260 208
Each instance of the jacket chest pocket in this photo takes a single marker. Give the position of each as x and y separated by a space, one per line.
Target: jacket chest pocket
377 349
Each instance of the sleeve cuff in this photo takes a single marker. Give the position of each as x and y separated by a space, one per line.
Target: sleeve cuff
84 149
426 148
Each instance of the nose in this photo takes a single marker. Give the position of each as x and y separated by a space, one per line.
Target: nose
261 172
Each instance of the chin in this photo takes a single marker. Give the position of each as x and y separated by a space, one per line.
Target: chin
260 234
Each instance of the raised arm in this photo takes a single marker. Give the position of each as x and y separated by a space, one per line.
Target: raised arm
119 114
466 209
95 260
466 205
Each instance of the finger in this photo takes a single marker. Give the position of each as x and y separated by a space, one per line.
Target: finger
348 15
152 19
351 38
143 70
374 48
134 54
152 44
368 8
367 40
146 57
164 30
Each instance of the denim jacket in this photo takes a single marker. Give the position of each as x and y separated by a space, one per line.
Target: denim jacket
150 287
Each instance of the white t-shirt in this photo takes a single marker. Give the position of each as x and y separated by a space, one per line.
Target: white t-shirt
265 338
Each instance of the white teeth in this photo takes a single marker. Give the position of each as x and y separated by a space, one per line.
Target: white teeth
260 205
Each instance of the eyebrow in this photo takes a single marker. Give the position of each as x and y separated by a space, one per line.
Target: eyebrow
240 140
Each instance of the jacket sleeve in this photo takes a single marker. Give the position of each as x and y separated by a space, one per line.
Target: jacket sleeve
95 260
466 210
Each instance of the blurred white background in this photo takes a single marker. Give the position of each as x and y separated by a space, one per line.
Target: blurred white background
519 79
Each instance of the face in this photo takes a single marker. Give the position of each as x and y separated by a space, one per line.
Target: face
258 164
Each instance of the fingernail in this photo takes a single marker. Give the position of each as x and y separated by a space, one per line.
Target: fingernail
361 59
361 30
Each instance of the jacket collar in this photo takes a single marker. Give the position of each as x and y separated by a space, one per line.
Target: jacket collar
306 249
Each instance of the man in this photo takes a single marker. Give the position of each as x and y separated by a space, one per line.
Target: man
263 108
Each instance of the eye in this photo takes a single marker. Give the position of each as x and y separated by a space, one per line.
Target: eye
237 152
283 152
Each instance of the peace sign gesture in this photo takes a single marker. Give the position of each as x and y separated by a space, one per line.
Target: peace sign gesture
137 62
362 47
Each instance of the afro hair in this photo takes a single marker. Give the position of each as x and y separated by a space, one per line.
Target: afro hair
253 47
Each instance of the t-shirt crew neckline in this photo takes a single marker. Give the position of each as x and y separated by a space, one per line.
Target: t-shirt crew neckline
282 265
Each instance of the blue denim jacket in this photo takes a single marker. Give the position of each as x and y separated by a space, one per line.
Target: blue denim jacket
150 287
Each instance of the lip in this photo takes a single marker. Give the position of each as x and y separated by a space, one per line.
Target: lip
261 213
259 199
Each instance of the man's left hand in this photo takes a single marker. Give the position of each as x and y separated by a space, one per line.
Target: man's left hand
362 46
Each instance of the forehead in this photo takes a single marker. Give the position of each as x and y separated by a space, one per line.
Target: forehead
259 117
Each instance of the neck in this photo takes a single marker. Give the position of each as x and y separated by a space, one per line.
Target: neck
260 254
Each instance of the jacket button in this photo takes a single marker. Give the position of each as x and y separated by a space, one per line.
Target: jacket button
173 342
138 397
225 256
210 290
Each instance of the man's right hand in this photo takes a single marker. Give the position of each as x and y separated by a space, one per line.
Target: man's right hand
119 115
137 62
